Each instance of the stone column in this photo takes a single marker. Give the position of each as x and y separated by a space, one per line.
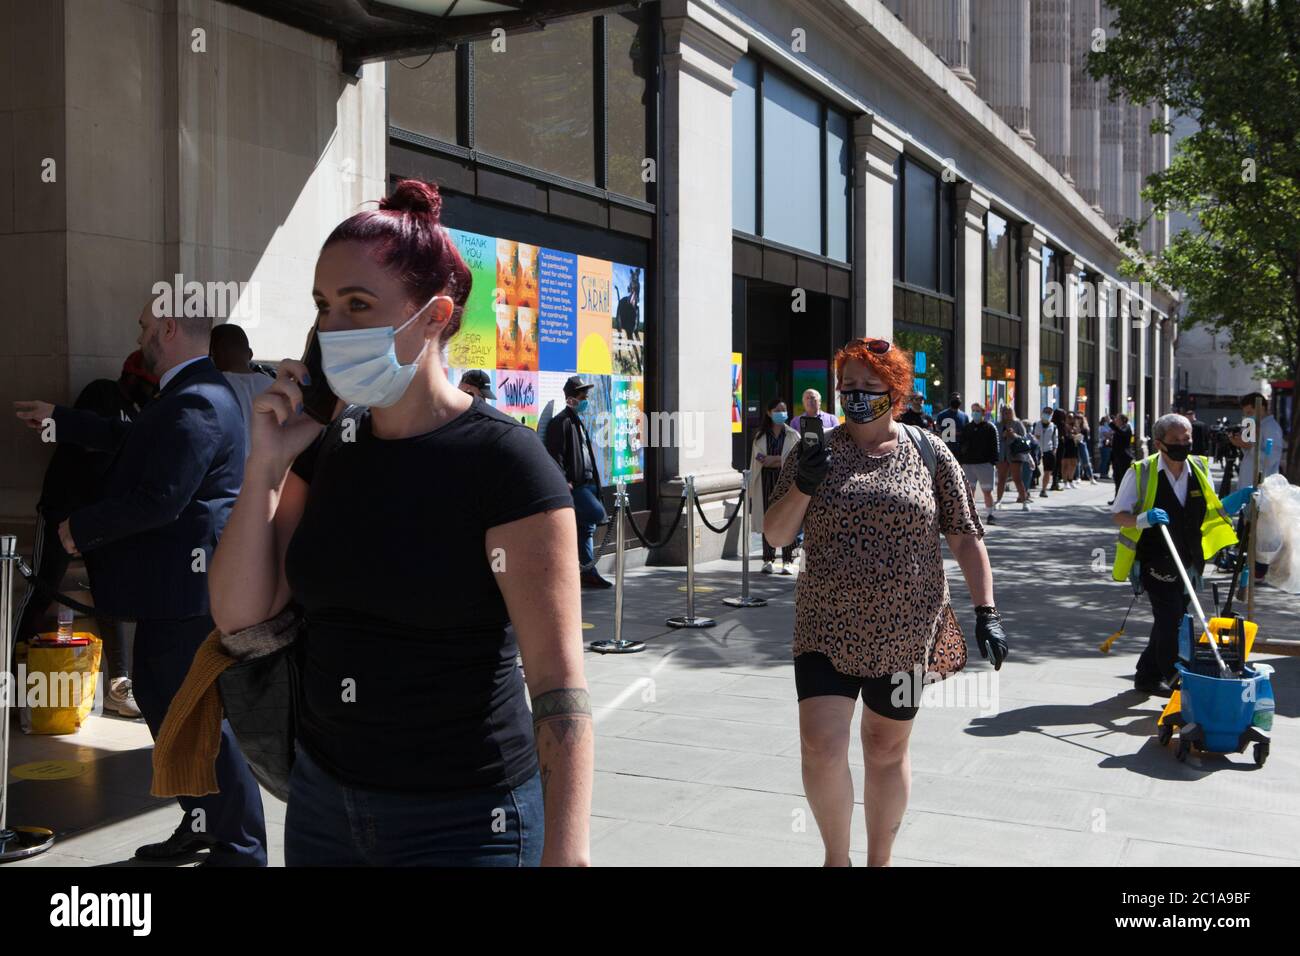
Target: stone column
1148 167
944 27
1134 138
1031 285
695 216
1119 295
1071 372
968 282
1112 143
1161 226
1158 403
999 34
876 150
1050 52
1085 104
1138 318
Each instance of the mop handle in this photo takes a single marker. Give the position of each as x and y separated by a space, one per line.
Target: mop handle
1191 592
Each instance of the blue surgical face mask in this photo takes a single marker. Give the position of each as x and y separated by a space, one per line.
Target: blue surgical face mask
361 365
977 416
583 405
780 417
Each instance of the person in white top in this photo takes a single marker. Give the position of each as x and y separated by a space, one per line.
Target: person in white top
228 346
1045 432
1270 454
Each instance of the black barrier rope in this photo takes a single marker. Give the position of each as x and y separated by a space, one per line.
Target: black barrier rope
600 549
699 509
681 508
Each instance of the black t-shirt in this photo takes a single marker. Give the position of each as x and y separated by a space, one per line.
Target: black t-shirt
918 419
390 566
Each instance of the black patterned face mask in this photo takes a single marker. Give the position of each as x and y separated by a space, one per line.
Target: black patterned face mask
862 406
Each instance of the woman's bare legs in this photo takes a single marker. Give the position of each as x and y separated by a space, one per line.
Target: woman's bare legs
1003 470
824 746
888 781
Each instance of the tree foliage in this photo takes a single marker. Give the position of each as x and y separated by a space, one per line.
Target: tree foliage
1233 66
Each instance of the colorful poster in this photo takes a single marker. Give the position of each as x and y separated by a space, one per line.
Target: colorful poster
629 415
550 398
517 395
629 321
516 306
595 316
474 345
557 311
807 373
599 420
737 406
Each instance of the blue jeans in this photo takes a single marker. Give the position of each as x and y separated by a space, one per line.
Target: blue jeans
328 823
1085 461
590 512
1105 461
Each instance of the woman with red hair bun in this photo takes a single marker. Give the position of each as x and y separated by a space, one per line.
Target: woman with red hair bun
873 616
406 535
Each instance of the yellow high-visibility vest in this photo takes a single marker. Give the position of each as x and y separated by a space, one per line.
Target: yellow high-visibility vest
1216 529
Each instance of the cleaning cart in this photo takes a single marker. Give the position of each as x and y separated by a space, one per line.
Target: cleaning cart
1222 704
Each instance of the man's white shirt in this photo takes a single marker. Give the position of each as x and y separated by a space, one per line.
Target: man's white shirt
1126 497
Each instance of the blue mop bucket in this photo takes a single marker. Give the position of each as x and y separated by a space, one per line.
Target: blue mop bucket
1223 708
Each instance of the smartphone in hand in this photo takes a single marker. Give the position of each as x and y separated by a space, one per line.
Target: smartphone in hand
318 401
811 433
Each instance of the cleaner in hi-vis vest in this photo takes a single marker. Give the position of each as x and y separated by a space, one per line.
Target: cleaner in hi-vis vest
1172 488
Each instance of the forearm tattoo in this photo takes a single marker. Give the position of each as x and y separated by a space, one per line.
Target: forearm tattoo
561 719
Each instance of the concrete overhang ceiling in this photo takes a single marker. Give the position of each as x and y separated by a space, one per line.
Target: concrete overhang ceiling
368 30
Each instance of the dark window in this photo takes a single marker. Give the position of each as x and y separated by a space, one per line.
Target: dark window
534 100
920 226
839 186
422 95
744 146
997 263
791 164
629 92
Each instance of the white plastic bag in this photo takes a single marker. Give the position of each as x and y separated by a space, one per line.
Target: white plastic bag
1277 532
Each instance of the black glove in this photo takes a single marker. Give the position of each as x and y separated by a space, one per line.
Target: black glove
813 466
990 637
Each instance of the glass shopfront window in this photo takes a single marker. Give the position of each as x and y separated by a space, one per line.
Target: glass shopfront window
791 163
931 356
1049 386
533 101
1001 265
998 378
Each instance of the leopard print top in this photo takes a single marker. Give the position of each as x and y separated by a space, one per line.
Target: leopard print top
872 593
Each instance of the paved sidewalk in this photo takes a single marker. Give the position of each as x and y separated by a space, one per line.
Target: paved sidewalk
697 750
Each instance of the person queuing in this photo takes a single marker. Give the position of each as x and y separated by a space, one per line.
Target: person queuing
1200 433
916 414
432 761
1121 450
951 422
148 543
873 607
1083 435
476 384
772 444
569 443
1067 450
1014 451
812 407
73 480
1104 431
979 454
1170 488
1266 429
231 354
1048 438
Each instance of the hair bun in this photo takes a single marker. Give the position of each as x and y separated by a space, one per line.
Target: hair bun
417 197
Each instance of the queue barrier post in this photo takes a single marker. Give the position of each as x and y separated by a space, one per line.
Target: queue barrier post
690 620
16 843
618 645
745 600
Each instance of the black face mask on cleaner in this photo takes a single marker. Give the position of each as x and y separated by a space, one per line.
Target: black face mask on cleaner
1178 452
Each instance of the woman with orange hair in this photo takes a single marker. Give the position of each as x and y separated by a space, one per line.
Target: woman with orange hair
873 501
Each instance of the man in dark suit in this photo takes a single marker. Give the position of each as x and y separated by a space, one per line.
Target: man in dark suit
147 541
570 445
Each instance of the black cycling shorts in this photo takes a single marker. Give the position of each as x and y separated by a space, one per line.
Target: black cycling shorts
1049 460
816 676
